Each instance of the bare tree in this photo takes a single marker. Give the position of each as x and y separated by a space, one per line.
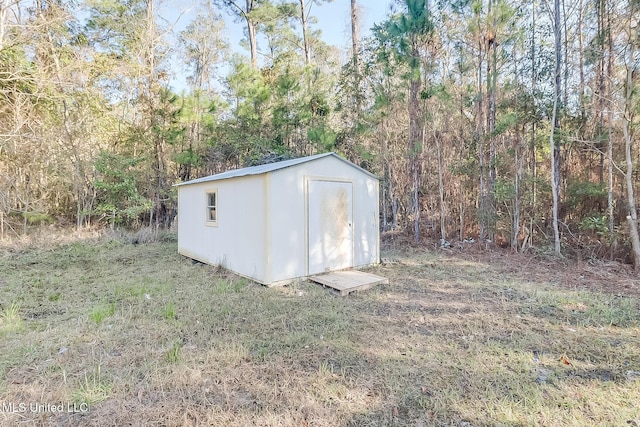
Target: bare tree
355 54
629 109
555 125
245 13
491 40
443 216
305 37
305 10
8 9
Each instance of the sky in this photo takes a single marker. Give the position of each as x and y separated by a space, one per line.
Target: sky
333 19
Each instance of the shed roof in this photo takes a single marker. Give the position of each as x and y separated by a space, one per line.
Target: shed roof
269 167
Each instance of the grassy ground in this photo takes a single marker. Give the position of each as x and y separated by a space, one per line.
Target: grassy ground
123 334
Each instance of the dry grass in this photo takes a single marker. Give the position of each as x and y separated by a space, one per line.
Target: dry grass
145 337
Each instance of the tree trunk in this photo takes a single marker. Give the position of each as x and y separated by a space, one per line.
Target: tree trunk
516 191
355 46
632 218
610 201
555 126
534 156
443 227
386 176
601 86
480 141
416 200
245 13
305 38
4 24
355 42
80 180
461 142
565 97
25 208
253 44
581 87
518 172
491 125
415 147
629 108
461 203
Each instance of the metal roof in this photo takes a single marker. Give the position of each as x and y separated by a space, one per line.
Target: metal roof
269 167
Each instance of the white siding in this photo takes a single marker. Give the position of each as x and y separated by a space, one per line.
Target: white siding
261 230
237 242
288 242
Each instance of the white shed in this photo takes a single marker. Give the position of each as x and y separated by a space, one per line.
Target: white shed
282 221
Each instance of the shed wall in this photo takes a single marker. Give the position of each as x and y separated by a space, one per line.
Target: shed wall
288 215
237 242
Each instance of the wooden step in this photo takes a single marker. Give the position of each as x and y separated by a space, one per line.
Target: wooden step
347 281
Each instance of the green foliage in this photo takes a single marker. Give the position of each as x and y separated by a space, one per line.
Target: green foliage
319 106
201 108
323 137
404 33
204 46
438 90
119 197
13 61
100 312
38 218
231 285
173 354
93 389
169 311
504 190
247 87
112 24
71 87
187 157
167 113
244 133
595 224
10 319
584 197
504 122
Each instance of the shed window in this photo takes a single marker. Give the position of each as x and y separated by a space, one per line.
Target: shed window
212 206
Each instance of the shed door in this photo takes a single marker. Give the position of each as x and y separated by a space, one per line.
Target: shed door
330 226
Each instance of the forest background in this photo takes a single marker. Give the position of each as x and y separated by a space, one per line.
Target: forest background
505 121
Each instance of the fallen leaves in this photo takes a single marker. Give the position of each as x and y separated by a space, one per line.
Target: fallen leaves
564 359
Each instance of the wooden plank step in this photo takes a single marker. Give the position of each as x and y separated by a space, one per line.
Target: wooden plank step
349 280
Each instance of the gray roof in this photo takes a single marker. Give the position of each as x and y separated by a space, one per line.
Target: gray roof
269 167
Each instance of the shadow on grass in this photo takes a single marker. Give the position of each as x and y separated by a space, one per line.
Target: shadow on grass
447 343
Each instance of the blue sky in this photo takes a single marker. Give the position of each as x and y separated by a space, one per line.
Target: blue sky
333 20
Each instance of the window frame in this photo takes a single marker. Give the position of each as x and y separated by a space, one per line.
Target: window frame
209 206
